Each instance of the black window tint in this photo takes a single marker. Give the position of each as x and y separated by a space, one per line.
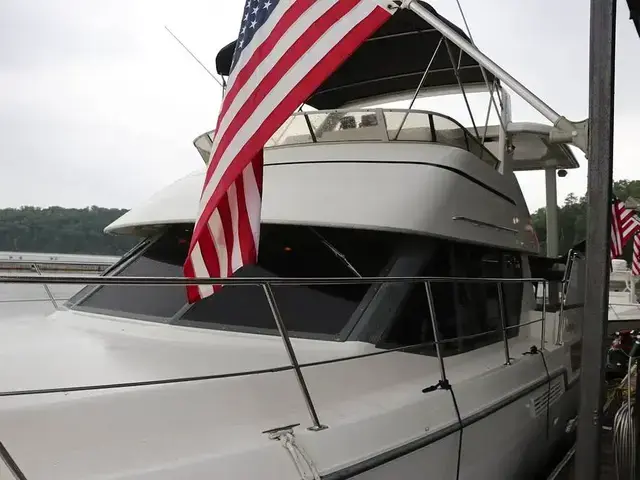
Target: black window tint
299 251
413 325
512 268
368 251
164 258
108 271
467 314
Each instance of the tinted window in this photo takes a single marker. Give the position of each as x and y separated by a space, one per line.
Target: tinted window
468 310
294 252
164 258
107 272
285 251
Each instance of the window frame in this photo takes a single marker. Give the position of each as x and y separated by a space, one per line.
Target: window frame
378 335
178 318
368 322
341 336
130 256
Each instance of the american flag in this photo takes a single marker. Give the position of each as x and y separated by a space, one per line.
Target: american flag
635 262
285 50
624 225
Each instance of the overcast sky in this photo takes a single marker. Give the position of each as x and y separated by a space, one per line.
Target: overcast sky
99 104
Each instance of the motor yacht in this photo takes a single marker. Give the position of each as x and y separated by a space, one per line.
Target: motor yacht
432 359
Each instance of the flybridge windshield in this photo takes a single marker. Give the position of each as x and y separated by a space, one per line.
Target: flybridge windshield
285 251
383 125
368 125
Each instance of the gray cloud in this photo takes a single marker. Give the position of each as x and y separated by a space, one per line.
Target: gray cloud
48 34
99 105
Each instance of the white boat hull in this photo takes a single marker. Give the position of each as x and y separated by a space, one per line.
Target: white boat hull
381 424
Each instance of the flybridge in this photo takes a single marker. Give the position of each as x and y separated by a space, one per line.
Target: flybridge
448 59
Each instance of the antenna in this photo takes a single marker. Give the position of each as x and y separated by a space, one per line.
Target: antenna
195 58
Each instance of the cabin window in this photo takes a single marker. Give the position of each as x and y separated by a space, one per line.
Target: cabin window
467 314
164 258
295 252
285 251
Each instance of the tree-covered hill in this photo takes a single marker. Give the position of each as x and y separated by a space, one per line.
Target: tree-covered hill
80 230
61 230
572 217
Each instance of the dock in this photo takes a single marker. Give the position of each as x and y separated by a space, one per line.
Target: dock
18 261
607 467
26 300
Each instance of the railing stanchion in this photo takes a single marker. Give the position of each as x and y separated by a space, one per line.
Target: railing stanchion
436 332
46 288
560 334
543 329
292 357
503 322
566 279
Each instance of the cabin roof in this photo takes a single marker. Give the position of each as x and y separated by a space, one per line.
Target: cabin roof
391 61
338 184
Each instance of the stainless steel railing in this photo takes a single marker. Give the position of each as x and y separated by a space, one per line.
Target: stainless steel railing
566 281
295 366
66 265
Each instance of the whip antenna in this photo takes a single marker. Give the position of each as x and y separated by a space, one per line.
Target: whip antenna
194 57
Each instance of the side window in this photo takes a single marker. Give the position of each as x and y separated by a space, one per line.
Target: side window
164 258
290 251
412 325
467 313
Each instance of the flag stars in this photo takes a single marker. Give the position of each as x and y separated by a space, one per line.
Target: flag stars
255 14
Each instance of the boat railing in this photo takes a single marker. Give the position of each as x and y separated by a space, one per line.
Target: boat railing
22 266
378 125
567 279
267 283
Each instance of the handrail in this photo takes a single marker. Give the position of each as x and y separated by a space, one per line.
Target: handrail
95 263
273 281
46 287
566 280
246 373
295 366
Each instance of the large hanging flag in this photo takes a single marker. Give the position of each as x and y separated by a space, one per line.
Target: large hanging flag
285 50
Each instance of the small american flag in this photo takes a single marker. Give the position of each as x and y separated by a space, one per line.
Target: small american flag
285 50
624 225
635 262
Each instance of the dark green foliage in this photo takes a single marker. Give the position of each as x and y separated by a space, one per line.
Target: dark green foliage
572 217
61 230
